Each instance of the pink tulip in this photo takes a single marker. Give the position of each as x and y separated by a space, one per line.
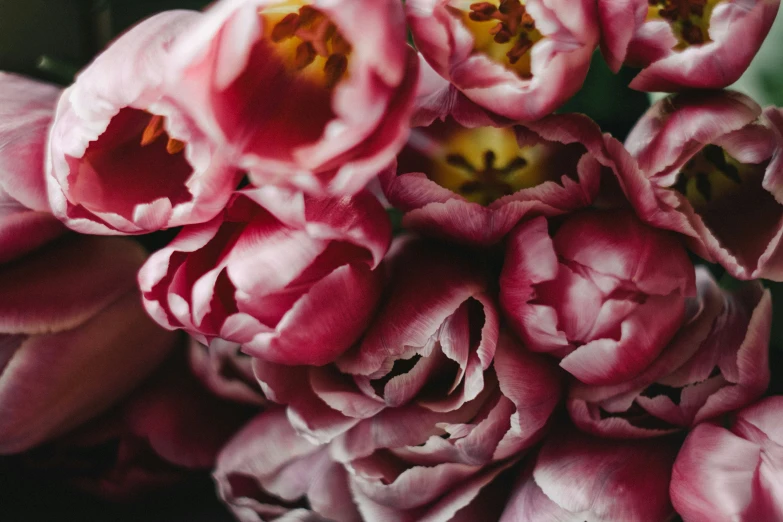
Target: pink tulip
578 478
26 110
684 44
73 337
710 166
605 293
165 430
717 362
434 397
267 468
730 471
474 185
502 59
289 277
315 95
123 159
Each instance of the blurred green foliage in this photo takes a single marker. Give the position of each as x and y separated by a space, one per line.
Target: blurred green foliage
608 100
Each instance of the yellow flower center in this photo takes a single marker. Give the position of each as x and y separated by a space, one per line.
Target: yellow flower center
689 19
308 41
503 30
711 175
485 164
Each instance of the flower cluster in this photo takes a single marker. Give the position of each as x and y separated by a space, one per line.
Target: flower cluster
533 339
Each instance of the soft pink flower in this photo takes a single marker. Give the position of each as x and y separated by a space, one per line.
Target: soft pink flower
315 95
155 438
684 44
434 397
26 111
509 59
578 478
717 362
123 159
289 277
730 472
473 185
605 293
74 337
267 469
710 167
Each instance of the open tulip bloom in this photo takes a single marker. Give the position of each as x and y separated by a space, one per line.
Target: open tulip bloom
392 284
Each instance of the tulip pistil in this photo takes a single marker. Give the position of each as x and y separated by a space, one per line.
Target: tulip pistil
154 130
308 40
485 164
505 31
689 19
710 175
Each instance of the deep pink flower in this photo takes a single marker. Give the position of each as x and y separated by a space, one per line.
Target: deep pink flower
434 397
684 43
717 362
267 469
473 185
710 166
311 94
26 111
579 478
154 439
730 472
288 276
123 159
604 293
517 60
73 337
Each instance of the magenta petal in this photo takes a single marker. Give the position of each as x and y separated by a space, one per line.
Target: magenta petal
423 299
607 480
713 475
660 142
333 325
619 245
533 385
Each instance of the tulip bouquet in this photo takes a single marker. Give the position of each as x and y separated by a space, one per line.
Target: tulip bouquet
400 286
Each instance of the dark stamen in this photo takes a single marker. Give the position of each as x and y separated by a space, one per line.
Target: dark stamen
514 22
305 55
285 28
703 185
319 37
514 165
489 160
335 67
459 161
